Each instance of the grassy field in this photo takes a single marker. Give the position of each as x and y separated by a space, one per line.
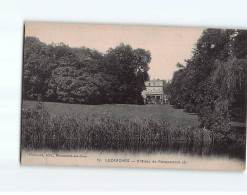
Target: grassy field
120 128
123 111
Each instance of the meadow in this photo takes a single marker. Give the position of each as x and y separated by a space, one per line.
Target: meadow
121 128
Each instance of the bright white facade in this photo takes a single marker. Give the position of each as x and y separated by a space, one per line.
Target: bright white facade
154 93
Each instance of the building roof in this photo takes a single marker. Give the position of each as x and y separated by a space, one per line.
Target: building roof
155 80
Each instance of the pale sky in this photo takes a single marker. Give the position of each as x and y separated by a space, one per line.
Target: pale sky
168 45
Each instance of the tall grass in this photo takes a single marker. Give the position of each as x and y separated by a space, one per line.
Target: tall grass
42 130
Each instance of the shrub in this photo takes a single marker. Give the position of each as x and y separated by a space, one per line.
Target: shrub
190 108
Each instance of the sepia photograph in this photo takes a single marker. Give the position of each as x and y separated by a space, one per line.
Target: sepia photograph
133 96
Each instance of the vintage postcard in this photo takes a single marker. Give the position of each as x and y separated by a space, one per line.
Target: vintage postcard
134 96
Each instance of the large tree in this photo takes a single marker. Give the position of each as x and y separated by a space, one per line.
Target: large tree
130 68
213 82
59 73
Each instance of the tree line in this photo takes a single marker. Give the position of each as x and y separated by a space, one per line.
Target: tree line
59 73
213 82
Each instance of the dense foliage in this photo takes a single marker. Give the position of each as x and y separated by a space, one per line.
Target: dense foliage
59 73
213 82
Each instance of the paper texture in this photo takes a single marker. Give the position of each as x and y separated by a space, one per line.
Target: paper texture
134 96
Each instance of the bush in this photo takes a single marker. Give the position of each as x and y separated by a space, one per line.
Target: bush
190 108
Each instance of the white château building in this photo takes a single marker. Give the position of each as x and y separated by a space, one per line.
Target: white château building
154 93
